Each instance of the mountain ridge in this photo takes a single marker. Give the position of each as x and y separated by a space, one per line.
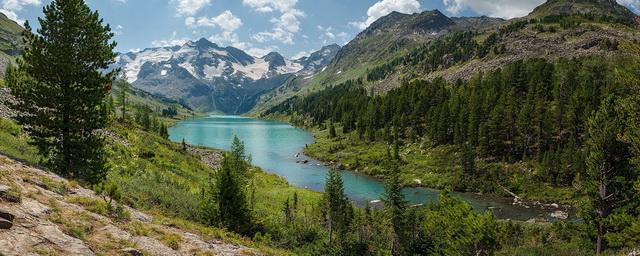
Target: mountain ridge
211 78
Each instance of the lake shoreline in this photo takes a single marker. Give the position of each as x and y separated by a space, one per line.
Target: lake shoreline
492 202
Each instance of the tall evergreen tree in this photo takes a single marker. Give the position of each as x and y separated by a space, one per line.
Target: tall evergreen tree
396 206
336 206
122 96
609 177
61 87
241 160
231 199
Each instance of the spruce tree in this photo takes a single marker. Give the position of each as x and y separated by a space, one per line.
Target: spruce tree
61 88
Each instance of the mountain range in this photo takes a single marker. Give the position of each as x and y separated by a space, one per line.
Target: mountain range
210 78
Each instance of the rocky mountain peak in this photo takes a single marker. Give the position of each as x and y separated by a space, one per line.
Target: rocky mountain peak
275 60
203 43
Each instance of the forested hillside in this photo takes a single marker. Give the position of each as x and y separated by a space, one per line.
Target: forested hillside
542 107
10 41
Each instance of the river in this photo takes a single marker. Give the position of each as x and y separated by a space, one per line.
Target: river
276 147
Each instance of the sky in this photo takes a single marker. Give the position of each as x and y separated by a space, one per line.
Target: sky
293 28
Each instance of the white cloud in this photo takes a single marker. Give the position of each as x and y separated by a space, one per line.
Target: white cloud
326 32
633 4
493 8
508 8
270 5
190 7
225 21
232 39
118 30
259 52
12 7
300 55
384 7
284 28
173 41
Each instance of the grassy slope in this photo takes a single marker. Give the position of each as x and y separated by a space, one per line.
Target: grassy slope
167 184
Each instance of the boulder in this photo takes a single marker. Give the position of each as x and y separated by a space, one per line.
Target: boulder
5 224
6 215
560 215
131 251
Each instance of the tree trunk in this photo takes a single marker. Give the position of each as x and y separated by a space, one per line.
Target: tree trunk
599 243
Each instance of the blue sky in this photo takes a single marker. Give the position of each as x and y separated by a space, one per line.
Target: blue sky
291 27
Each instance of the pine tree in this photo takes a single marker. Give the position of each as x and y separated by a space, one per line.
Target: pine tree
233 210
241 160
124 89
336 205
396 205
609 177
61 87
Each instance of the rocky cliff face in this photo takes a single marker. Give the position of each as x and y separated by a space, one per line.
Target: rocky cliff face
41 213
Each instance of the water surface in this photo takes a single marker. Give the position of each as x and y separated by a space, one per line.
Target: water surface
276 147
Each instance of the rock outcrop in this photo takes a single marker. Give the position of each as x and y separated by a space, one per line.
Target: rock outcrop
61 222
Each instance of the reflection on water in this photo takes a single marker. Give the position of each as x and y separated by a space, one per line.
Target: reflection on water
274 146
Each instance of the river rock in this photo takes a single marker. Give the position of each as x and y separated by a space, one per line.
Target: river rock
5 224
560 215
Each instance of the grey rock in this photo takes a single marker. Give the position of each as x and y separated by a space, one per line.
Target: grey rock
6 215
560 215
5 224
131 251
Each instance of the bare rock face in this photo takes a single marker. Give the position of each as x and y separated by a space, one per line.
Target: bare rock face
5 99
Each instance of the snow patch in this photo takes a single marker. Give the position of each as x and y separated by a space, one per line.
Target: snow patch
254 71
211 72
289 67
189 67
133 66
219 52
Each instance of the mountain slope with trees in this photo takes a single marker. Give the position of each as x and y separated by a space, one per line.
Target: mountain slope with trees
523 108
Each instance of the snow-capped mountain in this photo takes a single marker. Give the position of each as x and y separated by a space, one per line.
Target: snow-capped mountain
208 77
318 60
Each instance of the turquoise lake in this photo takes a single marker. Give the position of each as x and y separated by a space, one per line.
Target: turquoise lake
276 147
